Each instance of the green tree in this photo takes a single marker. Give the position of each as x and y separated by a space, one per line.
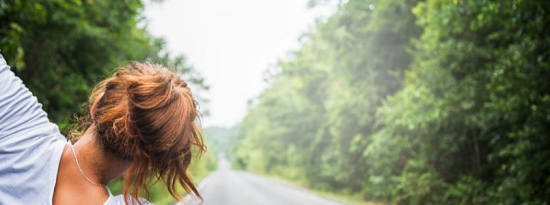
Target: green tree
315 121
62 48
412 102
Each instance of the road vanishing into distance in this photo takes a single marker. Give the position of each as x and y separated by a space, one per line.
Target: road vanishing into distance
228 187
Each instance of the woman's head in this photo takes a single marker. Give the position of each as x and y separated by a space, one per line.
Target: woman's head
145 114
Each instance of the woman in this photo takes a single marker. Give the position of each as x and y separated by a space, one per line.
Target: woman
141 122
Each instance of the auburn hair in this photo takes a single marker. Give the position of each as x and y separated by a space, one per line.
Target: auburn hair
147 115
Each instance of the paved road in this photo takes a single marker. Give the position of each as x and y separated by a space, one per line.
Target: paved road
227 187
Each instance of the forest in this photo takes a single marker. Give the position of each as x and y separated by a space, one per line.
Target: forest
391 101
412 102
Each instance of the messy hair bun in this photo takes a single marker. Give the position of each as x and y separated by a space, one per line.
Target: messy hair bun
146 115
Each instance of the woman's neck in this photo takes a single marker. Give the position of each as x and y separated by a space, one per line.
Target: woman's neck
71 186
95 164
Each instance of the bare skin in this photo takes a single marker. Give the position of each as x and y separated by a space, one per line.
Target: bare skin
71 187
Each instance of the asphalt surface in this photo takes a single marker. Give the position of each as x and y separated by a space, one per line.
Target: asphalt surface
228 187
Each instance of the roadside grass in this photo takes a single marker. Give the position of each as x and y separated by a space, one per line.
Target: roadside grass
168 199
198 170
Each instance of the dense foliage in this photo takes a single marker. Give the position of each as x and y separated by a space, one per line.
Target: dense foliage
412 102
62 48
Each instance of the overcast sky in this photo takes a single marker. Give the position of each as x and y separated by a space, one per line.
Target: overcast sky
231 43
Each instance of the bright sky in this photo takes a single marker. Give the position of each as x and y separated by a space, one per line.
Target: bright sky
231 43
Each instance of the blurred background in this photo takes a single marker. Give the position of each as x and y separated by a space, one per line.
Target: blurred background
358 102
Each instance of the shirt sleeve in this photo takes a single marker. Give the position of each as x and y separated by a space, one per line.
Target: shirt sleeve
19 109
30 145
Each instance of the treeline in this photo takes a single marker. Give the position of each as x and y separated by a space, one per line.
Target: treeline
412 102
62 48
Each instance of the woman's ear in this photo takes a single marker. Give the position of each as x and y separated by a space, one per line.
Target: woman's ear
94 106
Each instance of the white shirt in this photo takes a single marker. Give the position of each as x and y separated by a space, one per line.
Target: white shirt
30 146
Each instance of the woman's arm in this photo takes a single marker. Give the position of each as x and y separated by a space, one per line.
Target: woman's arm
19 109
